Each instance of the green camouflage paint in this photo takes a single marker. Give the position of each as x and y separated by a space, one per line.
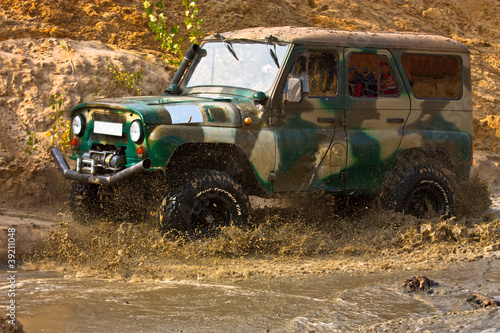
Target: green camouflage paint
334 143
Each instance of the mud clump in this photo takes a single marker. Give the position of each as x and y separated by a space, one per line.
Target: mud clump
482 301
418 283
7 327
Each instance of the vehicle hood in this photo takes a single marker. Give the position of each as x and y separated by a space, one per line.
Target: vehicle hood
177 110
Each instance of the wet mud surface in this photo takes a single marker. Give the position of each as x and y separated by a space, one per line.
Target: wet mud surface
338 302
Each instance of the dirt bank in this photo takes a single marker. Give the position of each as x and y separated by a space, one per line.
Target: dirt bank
32 70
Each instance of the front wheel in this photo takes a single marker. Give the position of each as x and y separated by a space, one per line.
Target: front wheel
84 202
202 203
422 191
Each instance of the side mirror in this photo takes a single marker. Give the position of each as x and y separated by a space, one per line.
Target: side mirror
259 98
293 90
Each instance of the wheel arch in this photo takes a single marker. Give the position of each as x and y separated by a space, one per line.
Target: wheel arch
408 158
224 157
437 157
414 164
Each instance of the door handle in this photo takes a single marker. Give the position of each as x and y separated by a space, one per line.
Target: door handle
326 120
395 120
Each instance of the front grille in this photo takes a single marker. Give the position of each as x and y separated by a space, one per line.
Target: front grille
109 138
102 147
109 116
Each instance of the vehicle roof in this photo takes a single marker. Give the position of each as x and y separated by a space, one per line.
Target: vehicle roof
358 39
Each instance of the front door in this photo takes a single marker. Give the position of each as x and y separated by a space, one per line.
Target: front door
307 128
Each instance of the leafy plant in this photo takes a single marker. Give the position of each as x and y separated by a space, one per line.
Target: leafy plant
60 129
65 141
31 143
193 24
96 92
125 78
171 38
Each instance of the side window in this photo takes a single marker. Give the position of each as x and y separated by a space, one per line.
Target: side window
371 75
318 73
433 76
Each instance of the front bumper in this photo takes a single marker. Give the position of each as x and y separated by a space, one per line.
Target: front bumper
105 179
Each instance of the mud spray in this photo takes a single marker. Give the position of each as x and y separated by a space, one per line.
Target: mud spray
302 240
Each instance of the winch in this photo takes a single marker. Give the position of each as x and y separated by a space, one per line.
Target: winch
95 161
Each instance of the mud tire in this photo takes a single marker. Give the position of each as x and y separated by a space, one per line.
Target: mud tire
84 203
421 191
202 203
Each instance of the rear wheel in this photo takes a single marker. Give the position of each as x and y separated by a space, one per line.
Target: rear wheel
84 202
204 202
421 191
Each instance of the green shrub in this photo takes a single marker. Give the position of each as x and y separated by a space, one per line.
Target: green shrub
171 37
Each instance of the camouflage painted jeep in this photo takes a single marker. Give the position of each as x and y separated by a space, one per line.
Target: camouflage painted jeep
272 111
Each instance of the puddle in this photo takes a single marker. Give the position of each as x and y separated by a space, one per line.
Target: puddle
53 302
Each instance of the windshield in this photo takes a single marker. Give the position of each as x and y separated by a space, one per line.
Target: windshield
237 64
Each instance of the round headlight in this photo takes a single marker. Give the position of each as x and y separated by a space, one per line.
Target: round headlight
136 131
78 125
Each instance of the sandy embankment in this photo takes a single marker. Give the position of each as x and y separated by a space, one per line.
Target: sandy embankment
32 70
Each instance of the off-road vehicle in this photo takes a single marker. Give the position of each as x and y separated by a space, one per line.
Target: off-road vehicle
274 111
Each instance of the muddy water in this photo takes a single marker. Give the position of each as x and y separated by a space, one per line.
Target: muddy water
346 302
306 269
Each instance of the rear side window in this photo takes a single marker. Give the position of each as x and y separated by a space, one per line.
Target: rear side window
371 75
434 76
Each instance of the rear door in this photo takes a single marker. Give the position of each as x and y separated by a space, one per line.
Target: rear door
376 109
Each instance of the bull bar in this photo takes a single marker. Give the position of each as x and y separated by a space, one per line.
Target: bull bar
105 179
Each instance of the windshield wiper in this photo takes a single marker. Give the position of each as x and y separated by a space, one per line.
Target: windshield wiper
228 45
271 40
